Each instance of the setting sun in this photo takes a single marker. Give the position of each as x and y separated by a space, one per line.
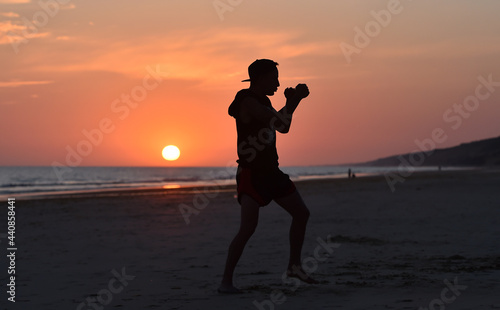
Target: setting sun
171 152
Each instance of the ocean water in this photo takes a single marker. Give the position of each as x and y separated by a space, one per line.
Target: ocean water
19 181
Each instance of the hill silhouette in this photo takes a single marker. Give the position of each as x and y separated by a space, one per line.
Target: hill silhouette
480 153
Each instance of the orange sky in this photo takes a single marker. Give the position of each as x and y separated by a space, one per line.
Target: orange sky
67 71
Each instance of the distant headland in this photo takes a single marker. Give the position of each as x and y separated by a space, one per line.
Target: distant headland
482 153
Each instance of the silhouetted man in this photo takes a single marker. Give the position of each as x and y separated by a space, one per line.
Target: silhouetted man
259 178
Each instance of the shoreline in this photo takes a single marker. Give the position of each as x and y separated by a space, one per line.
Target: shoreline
30 190
211 186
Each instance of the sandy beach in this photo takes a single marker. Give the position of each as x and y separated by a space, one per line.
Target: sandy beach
433 243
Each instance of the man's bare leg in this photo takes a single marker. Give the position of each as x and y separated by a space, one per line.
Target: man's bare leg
249 220
296 207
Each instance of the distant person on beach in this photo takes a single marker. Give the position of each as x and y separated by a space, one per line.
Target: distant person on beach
259 179
349 173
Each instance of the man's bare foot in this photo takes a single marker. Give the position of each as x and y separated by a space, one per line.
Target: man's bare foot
299 273
228 289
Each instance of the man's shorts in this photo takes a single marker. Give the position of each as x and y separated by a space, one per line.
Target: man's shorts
263 187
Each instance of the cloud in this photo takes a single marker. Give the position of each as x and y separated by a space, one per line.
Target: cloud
19 29
212 54
7 30
64 38
14 1
23 83
9 26
13 33
69 6
9 14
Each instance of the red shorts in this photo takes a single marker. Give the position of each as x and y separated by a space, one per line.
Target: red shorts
263 187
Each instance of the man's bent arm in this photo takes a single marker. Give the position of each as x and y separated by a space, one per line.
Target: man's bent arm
281 120
286 113
293 98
